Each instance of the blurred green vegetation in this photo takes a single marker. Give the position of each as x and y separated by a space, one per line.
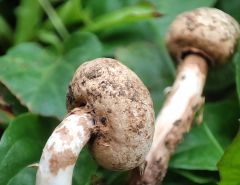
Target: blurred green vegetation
42 42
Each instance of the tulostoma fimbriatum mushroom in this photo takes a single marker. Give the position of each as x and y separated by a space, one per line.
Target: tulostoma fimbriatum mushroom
111 110
198 39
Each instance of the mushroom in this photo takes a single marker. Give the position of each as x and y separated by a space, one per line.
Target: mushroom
198 39
111 110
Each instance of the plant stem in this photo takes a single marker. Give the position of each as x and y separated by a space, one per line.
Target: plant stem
54 18
63 147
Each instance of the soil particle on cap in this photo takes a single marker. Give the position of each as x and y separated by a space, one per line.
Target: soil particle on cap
94 73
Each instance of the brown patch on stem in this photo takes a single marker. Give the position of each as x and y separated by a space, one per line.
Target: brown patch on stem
61 160
63 132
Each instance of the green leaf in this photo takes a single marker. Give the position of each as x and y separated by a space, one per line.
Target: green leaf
39 79
176 179
25 177
166 6
230 164
220 78
122 36
149 63
82 46
6 31
113 178
237 63
204 145
5 117
85 169
122 16
21 145
231 7
196 178
71 11
28 17
105 6
49 37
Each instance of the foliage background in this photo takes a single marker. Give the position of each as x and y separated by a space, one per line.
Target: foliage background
42 44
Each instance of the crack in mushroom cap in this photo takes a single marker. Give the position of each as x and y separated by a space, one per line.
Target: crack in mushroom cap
122 110
207 31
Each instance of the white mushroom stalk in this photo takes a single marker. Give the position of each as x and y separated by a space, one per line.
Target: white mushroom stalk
63 147
176 116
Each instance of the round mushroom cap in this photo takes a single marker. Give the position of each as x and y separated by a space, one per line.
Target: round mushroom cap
122 110
206 31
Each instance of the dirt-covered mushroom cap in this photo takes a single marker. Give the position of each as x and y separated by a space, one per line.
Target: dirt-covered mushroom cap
122 110
206 31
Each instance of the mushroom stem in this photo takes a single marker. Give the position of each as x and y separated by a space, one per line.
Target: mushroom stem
63 147
176 117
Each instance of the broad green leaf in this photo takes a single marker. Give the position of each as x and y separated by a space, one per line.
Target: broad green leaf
21 145
204 145
176 179
197 178
28 18
146 61
220 79
121 36
237 64
229 166
81 47
25 177
231 7
5 117
39 79
85 169
33 75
